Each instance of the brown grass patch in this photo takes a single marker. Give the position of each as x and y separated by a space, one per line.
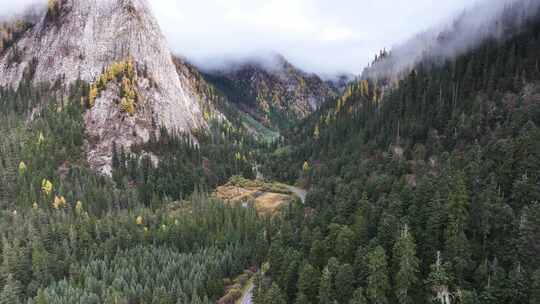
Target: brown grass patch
267 198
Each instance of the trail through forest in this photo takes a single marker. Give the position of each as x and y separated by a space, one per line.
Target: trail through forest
247 298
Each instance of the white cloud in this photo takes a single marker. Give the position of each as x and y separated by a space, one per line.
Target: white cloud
335 33
318 35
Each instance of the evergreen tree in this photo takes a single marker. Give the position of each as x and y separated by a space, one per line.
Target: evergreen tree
358 297
302 299
274 295
518 286
308 283
345 245
535 288
407 265
11 293
361 265
438 282
326 288
378 284
344 283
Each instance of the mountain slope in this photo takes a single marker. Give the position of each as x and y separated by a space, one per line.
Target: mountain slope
275 93
80 39
431 187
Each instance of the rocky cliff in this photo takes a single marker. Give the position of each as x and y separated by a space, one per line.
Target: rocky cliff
86 39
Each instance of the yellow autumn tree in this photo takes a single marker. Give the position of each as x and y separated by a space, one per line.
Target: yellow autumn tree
22 168
79 207
46 187
317 132
130 68
123 73
41 138
59 202
127 106
139 220
306 167
51 5
92 95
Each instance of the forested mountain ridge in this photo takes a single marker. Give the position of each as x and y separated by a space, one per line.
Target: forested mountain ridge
424 189
275 92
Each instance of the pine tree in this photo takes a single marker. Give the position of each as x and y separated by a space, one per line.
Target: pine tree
40 298
308 282
302 299
274 295
361 265
326 292
457 246
344 283
358 297
518 285
535 288
458 203
378 283
345 245
438 281
407 265
458 250
11 293
258 288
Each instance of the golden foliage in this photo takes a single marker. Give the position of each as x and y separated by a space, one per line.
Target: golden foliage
79 207
124 70
41 138
59 202
52 4
127 106
22 168
238 156
46 187
206 115
139 220
35 206
306 167
92 96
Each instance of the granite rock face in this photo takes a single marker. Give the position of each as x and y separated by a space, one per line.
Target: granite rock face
82 38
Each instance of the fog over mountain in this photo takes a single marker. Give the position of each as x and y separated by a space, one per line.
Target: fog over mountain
340 37
450 39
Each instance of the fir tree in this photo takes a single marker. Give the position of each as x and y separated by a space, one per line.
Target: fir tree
378 284
407 265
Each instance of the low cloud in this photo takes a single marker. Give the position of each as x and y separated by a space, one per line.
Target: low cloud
326 37
459 34
8 8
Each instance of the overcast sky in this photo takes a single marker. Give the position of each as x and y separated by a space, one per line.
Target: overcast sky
323 36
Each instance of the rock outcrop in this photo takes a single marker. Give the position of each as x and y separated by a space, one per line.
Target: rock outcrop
80 39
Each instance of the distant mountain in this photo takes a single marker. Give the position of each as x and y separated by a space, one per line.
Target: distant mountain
275 92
